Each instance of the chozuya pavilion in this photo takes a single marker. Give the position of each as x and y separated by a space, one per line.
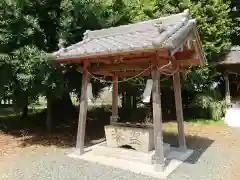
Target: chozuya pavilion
166 45
229 66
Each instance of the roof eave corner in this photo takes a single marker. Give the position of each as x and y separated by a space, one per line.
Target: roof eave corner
202 57
51 57
54 56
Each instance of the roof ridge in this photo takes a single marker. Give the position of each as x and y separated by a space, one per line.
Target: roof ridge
168 43
167 34
165 21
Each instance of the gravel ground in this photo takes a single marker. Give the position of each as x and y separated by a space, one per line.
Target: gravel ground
217 162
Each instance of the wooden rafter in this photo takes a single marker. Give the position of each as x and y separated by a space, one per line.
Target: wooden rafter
135 64
198 46
186 57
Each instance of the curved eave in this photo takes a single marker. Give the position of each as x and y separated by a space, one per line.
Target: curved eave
75 59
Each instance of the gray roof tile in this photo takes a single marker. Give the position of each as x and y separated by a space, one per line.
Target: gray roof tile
167 32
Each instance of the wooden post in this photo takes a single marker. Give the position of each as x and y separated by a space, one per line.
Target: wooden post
82 112
179 110
114 116
157 121
227 90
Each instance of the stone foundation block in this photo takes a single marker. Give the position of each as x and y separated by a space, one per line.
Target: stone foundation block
139 138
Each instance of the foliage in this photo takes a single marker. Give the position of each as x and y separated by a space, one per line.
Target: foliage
26 66
78 16
235 14
215 26
29 29
5 71
26 31
211 101
216 108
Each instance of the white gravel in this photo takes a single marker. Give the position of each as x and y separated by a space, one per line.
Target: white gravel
215 162
53 164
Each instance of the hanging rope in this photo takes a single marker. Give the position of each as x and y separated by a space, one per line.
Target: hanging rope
169 74
160 69
124 80
166 65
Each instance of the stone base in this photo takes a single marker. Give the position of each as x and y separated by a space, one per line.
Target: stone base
139 138
128 154
130 160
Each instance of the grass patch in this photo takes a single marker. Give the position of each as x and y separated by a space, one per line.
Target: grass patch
172 128
9 115
205 121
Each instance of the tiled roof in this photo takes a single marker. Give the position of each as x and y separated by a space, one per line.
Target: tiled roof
167 32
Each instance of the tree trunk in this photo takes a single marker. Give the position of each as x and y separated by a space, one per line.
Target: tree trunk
63 110
134 101
24 112
49 114
123 99
128 102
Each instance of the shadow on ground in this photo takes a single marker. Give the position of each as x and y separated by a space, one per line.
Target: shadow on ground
197 143
32 132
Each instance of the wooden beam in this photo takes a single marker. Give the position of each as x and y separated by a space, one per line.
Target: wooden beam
188 57
133 73
119 67
122 73
110 55
179 110
82 112
141 60
79 60
186 54
189 62
114 117
137 60
157 121
102 73
127 60
163 53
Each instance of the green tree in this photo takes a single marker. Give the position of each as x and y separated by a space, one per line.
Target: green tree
235 14
25 85
27 29
215 26
31 28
